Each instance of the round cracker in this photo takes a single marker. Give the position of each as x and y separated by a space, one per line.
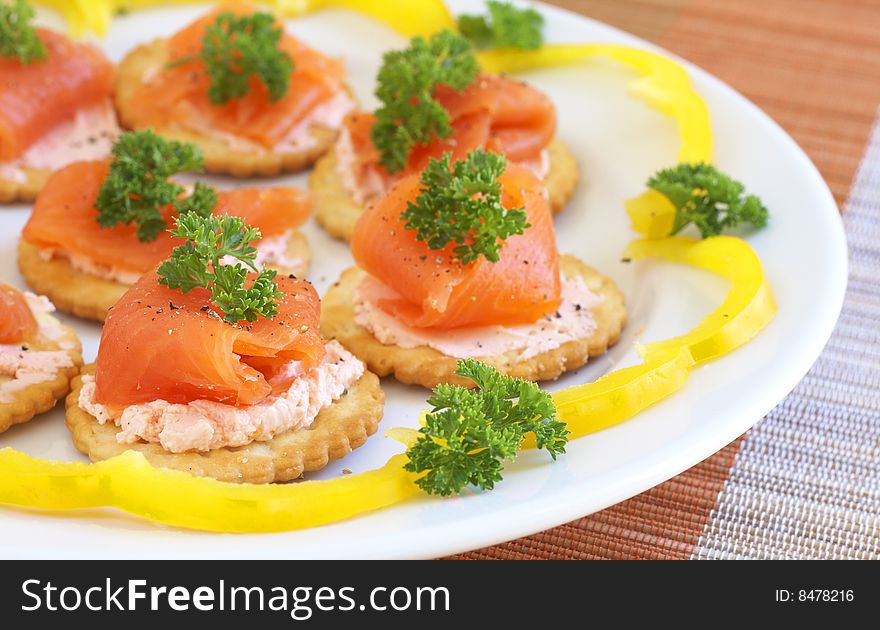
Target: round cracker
335 432
429 367
38 398
27 190
91 297
338 212
219 156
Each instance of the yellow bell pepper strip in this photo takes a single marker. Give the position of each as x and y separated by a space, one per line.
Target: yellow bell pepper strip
662 83
749 305
622 394
406 435
651 214
748 308
82 16
408 17
130 483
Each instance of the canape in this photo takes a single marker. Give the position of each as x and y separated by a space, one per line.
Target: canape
481 110
206 368
464 264
55 105
85 257
38 356
255 99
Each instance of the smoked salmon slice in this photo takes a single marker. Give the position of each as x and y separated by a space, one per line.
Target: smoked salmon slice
63 218
435 290
17 321
494 113
36 97
159 344
179 95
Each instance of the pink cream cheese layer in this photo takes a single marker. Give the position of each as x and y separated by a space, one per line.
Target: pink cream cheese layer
20 366
328 115
204 425
573 320
271 252
88 136
373 185
88 266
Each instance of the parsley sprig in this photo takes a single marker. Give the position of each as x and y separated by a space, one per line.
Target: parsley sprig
18 39
505 27
470 433
708 198
409 114
237 47
137 185
199 263
461 203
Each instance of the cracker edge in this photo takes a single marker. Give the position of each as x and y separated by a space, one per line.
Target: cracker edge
428 367
337 430
12 191
38 398
338 213
219 158
90 297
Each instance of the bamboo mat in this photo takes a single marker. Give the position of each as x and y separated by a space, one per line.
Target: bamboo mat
805 482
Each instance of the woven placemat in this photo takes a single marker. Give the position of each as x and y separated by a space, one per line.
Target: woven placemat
805 482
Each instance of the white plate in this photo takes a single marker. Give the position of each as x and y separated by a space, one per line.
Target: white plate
618 142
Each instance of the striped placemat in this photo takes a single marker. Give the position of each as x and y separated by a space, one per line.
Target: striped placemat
805 482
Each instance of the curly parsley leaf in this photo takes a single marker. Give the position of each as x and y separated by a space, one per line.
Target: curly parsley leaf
137 186
237 47
199 263
515 28
461 203
708 198
470 433
506 26
202 200
18 39
409 115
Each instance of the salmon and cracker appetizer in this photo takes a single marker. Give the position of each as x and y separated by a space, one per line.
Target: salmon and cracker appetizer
98 226
435 100
209 367
55 103
255 99
461 262
38 356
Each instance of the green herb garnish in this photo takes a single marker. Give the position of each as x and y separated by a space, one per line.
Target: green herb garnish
237 47
708 198
409 115
137 185
506 26
18 39
469 433
461 203
199 263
